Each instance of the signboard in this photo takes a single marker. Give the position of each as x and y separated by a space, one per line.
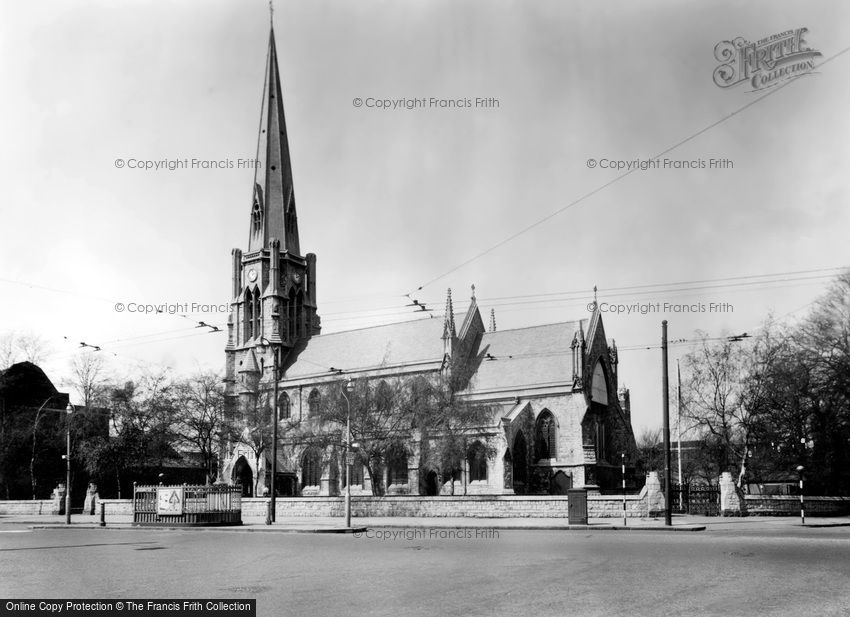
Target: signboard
169 501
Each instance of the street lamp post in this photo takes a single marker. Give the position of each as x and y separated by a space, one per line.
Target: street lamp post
665 393
346 391
802 503
68 411
272 490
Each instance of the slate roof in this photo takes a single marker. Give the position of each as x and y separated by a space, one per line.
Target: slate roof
395 344
525 357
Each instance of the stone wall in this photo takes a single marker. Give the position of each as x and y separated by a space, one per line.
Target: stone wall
472 506
789 505
29 507
116 507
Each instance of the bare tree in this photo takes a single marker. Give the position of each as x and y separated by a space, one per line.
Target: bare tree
650 450
8 351
22 347
89 378
451 424
200 402
142 413
379 421
727 396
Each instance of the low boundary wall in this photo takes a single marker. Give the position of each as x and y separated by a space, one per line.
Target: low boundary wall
476 506
29 506
789 505
472 506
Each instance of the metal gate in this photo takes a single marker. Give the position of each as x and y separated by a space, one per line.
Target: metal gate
702 499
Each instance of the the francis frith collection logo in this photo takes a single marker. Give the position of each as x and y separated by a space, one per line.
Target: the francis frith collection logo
765 63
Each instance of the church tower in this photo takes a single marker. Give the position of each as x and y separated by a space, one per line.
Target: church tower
273 292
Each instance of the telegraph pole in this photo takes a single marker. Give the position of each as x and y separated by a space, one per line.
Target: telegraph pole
679 424
665 392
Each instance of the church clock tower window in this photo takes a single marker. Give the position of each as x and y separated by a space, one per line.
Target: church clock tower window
249 315
257 215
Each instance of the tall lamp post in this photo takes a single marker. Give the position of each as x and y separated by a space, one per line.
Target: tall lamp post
665 392
272 491
68 411
346 392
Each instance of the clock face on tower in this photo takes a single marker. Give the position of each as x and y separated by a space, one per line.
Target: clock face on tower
252 275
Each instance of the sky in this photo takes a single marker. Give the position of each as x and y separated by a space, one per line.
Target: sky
503 196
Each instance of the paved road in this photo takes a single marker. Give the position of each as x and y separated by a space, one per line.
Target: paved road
408 572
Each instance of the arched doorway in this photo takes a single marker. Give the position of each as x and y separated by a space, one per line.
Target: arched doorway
520 464
243 475
431 484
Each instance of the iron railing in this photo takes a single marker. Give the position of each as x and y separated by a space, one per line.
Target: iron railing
217 504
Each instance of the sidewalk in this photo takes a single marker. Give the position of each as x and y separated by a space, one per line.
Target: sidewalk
681 523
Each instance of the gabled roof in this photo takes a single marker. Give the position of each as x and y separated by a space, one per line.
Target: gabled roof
524 357
25 384
406 343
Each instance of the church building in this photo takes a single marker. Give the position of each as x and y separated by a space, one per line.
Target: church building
559 418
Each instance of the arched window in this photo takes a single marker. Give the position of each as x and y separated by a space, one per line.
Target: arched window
258 313
314 402
257 212
383 396
283 407
546 436
599 385
311 468
477 459
396 465
249 314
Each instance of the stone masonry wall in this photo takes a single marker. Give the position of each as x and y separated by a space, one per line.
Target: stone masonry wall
789 505
472 506
28 507
483 506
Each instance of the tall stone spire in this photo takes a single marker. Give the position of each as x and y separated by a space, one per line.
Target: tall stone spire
273 212
449 322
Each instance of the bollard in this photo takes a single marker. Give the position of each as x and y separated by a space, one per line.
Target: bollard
623 458
269 513
102 514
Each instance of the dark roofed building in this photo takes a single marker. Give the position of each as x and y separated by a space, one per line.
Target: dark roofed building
558 418
32 414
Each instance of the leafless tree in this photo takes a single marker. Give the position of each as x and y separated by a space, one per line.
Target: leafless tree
22 347
89 378
198 422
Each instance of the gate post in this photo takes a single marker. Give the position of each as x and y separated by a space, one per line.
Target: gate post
655 504
732 502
